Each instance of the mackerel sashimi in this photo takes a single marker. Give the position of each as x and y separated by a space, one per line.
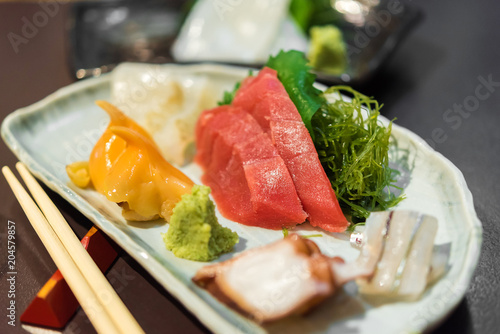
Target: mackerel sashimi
250 181
265 98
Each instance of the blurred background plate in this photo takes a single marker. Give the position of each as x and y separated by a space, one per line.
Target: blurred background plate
105 33
370 38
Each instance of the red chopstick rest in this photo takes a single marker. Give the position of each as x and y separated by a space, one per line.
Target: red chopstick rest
55 304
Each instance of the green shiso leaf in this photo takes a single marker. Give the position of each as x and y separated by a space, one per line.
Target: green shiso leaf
229 96
353 149
294 74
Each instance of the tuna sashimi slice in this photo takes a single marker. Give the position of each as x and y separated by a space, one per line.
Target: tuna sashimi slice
249 180
292 139
207 130
295 146
254 89
272 107
271 186
274 200
231 194
318 198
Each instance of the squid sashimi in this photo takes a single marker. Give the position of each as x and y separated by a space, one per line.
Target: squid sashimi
127 167
249 180
399 249
265 98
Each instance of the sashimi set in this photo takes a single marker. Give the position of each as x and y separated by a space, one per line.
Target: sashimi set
261 141
276 153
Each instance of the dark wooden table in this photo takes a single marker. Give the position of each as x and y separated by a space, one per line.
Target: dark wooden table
437 69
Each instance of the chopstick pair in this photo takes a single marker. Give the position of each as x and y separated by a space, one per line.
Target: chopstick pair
98 299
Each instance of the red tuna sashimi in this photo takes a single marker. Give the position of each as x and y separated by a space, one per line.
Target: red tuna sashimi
249 180
271 186
295 146
317 197
231 194
274 107
292 139
204 145
253 89
205 134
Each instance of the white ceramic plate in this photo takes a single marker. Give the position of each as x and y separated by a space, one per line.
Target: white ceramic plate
63 128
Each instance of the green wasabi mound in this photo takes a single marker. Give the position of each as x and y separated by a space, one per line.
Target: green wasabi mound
327 51
194 232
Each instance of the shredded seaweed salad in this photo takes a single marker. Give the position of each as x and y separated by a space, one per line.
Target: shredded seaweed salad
352 144
353 147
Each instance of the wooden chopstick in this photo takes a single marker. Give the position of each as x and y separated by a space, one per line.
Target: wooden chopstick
118 312
78 284
103 295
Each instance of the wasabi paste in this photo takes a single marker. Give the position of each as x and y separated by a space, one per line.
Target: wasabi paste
194 232
327 51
